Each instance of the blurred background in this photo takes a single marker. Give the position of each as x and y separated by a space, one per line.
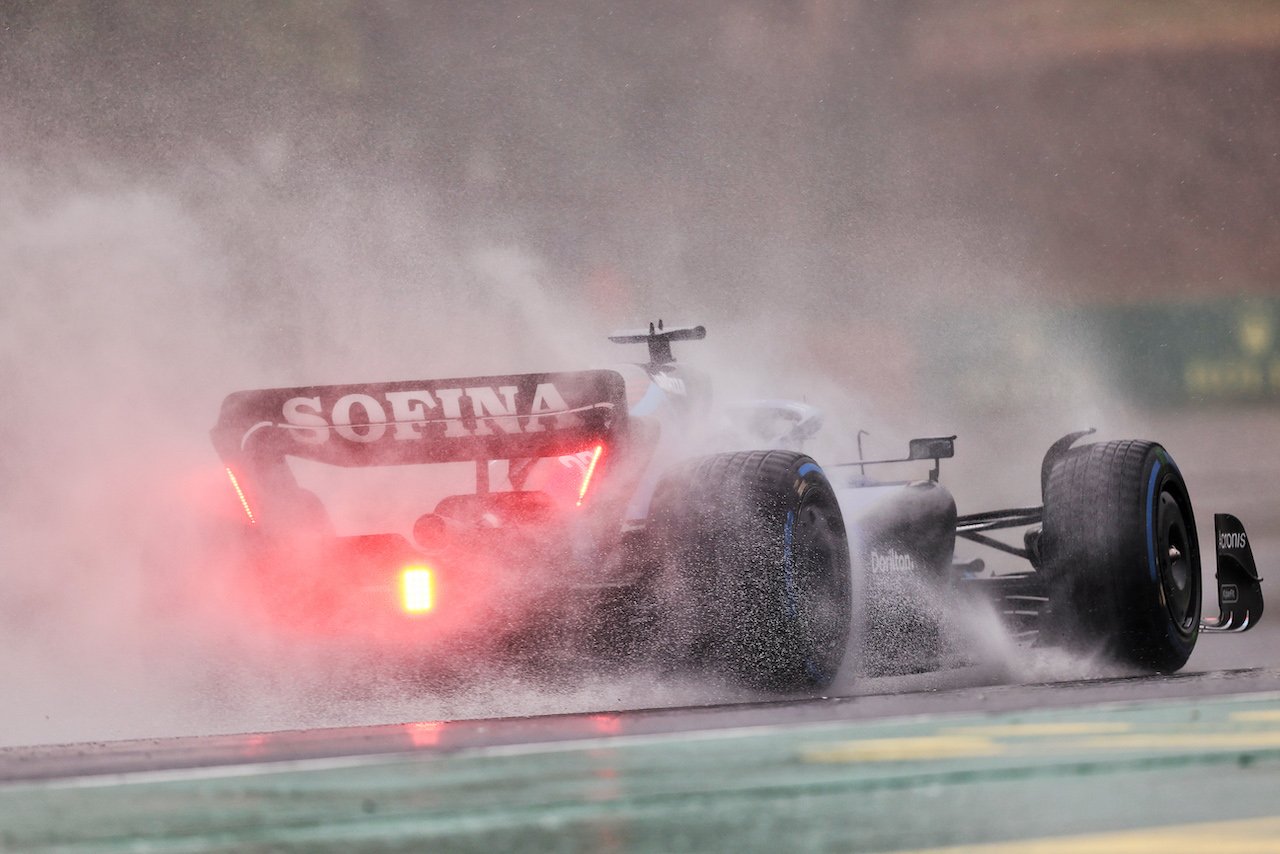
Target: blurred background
1006 220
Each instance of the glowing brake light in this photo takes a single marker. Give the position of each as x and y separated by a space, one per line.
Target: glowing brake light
591 469
415 589
244 502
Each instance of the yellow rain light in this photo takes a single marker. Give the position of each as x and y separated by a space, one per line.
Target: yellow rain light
415 589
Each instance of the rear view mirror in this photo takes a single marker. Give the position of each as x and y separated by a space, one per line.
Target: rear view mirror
942 448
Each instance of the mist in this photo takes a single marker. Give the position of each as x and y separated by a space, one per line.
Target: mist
883 209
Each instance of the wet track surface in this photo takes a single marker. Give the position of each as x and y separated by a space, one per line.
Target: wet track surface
148 755
957 758
987 769
972 689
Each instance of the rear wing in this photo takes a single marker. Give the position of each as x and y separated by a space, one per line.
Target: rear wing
448 420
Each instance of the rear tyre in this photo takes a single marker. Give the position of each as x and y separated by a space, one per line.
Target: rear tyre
1120 555
755 576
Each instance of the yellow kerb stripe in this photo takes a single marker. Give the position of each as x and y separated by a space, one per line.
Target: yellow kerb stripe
1034 730
1252 836
902 749
1259 715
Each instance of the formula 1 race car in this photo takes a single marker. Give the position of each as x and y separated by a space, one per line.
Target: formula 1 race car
572 511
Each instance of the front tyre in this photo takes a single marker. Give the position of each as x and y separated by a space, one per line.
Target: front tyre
756 566
1120 555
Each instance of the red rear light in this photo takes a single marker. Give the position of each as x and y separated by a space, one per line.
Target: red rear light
244 502
416 589
591 469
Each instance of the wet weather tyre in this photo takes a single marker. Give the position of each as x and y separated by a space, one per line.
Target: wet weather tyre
1121 557
755 565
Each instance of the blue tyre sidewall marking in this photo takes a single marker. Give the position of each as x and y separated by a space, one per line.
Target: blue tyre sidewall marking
1151 528
1191 533
808 467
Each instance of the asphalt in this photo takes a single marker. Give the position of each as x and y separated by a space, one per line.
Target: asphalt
114 758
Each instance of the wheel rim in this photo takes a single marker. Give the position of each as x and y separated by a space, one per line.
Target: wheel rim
1178 578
